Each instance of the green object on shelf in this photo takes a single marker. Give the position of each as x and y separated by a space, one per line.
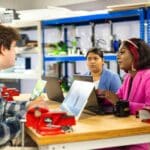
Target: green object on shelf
59 48
74 43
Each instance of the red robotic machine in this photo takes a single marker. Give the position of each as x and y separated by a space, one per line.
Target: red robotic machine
8 93
46 122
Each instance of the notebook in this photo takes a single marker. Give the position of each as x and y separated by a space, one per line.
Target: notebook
53 89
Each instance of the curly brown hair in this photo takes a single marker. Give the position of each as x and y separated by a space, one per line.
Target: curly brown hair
7 36
143 50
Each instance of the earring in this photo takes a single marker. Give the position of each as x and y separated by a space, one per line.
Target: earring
132 68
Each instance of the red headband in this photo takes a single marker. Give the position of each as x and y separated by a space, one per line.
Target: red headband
133 48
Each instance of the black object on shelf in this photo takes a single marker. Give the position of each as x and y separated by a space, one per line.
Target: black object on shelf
28 63
15 14
24 39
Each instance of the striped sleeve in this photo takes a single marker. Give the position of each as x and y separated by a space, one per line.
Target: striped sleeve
8 130
15 108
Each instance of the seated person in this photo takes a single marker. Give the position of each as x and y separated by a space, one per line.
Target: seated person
103 78
134 59
11 112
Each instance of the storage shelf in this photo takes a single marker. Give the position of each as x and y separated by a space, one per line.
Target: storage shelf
107 57
117 16
64 58
23 24
33 73
21 50
27 74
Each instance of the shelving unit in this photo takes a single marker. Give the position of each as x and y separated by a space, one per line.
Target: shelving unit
117 16
34 72
148 24
107 57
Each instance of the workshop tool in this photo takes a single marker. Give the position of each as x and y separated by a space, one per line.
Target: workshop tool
47 122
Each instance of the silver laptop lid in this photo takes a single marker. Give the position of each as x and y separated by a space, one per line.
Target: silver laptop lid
80 77
53 89
77 97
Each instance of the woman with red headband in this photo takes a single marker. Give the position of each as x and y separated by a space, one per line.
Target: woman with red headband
134 59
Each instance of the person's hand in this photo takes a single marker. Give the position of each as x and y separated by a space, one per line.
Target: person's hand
112 97
38 102
99 93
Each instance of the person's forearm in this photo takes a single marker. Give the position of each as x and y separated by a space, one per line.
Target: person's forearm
112 97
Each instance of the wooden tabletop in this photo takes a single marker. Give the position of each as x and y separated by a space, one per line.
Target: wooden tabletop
93 127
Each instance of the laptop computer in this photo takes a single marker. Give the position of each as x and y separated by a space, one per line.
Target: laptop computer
38 89
94 104
98 107
53 89
83 77
54 92
77 98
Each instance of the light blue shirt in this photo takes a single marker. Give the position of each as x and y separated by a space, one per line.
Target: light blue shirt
108 80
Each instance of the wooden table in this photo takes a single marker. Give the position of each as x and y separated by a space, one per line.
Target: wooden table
96 132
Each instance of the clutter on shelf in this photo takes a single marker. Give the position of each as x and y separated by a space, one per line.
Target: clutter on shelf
8 15
59 48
